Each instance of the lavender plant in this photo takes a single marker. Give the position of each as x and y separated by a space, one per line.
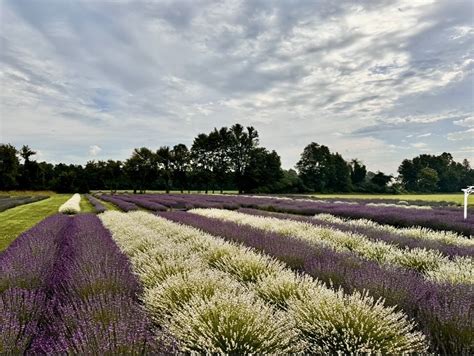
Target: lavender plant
449 327
83 290
98 206
121 204
418 238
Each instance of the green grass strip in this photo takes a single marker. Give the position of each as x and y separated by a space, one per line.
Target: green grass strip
16 220
86 206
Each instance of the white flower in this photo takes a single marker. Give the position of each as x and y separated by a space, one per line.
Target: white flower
72 206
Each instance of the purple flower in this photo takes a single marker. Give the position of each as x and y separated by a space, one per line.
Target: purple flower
444 312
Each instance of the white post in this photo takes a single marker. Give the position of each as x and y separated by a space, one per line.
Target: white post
467 191
465 204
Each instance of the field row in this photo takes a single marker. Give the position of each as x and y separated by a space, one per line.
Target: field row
430 263
76 294
442 310
8 202
219 297
238 279
437 218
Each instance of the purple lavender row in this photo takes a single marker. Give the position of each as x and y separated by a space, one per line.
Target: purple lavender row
23 268
374 234
87 293
444 312
436 218
94 307
98 206
121 204
363 201
143 202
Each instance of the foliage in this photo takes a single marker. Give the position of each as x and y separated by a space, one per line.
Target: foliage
16 220
90 305
240 320
449 327
430 173
11 202
72 205
9 165
230 159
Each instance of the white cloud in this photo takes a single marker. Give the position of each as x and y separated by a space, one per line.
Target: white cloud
467 122
94 150
129 74
425 135
462 135
419 145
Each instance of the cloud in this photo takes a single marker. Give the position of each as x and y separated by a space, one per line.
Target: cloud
94 150
419 145
130 74
467 122
462 135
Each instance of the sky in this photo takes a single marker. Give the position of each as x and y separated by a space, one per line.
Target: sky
376 80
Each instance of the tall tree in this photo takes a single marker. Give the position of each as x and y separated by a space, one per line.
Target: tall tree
28 171
380 180
408 175
164 159
201 158
340 180
220 150
358 172
314 167
263 173
141 169
180 165
427 180
451 175
242 143
26 152
9 167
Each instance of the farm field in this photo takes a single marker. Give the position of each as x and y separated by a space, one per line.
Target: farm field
16 220
236 274
457 198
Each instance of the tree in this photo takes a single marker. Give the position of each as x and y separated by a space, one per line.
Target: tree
408 175
28 171
220 155
164 159
180 165
241 145
358 172
314 167
201 161
263 172
26 152
381 180
427 180
341 174
452 176
290 182
141 168
65 182
9 166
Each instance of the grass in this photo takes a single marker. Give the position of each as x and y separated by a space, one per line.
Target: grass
27 192
457 198
86 206
16 220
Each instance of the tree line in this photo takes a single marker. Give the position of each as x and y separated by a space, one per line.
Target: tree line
230 159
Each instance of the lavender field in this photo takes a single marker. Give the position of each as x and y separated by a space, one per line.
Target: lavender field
229 274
